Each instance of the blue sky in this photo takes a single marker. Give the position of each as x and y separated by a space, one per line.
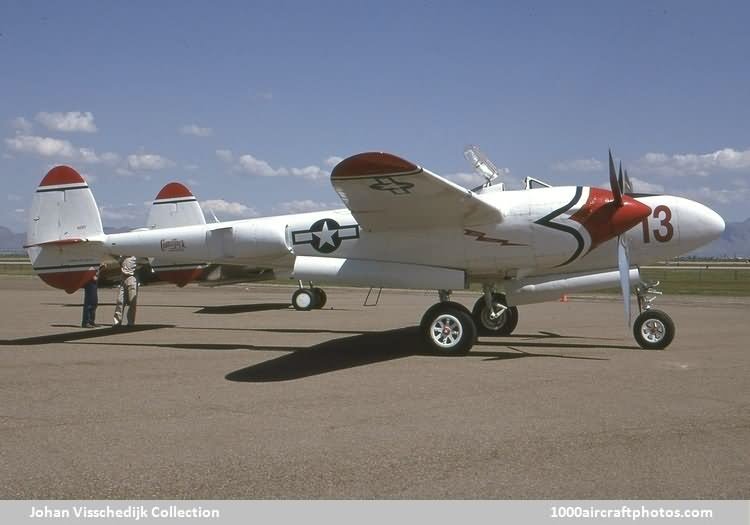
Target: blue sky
251 103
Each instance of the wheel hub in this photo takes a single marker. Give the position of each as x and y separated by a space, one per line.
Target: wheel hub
653 330
493 320
446 331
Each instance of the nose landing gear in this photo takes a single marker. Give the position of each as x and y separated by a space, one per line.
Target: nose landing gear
652 329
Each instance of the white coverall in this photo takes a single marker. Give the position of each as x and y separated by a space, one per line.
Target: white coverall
127 293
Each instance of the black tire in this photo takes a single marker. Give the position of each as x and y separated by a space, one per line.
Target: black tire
448 329
434 307
503 325
653 330
303 299
320 298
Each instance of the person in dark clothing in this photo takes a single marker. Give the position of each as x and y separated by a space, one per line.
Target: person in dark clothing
90 301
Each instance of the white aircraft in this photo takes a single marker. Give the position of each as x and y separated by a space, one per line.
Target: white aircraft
403 227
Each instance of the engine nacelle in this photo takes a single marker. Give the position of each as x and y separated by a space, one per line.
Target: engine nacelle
549 287
376 274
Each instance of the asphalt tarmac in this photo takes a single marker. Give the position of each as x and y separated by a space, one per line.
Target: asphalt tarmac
228 393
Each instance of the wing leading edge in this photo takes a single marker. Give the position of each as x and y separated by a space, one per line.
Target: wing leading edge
385 192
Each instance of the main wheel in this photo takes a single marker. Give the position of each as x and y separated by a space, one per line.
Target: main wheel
448 329
320 298
303 299
653 330
503 325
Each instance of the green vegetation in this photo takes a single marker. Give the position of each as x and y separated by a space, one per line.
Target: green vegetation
14 265
701 281
696 280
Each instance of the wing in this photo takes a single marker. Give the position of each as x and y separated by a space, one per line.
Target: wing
385 192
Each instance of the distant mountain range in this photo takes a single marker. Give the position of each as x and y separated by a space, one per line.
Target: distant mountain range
11 242
734 242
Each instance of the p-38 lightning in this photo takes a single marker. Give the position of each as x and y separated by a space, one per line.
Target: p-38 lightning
403 227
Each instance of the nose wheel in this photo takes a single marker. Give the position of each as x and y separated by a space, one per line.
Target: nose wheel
653 329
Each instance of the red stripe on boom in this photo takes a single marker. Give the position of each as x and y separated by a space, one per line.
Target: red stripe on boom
174 190
372 163
68 281
61 175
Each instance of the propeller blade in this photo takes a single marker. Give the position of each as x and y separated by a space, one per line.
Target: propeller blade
616 192
628 187
623 263
620 181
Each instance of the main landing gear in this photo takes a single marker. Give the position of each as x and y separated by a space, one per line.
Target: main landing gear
652 329
449 328
311 298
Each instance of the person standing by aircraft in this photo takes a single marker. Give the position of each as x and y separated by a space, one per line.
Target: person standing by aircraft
90 301
127 293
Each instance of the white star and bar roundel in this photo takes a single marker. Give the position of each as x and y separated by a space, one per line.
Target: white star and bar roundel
325 235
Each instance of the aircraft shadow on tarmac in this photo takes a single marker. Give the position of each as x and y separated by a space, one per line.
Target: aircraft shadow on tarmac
81 334
202 309
374 347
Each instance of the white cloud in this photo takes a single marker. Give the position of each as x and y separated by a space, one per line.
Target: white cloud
70 121
694 164
224 155
333 160
133 215
148 162
43 146
22 125
191 167
302 206
124 172
466 179
8 156
642 186
196 130
260 168
264 95
14 197
228 209
578 165
720 196
89 155
50 147
257 167
309 172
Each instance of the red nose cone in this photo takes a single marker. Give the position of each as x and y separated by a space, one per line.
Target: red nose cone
604 219
628 215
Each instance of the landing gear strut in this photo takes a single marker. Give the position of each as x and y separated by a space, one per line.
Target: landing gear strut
308 298
653 329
